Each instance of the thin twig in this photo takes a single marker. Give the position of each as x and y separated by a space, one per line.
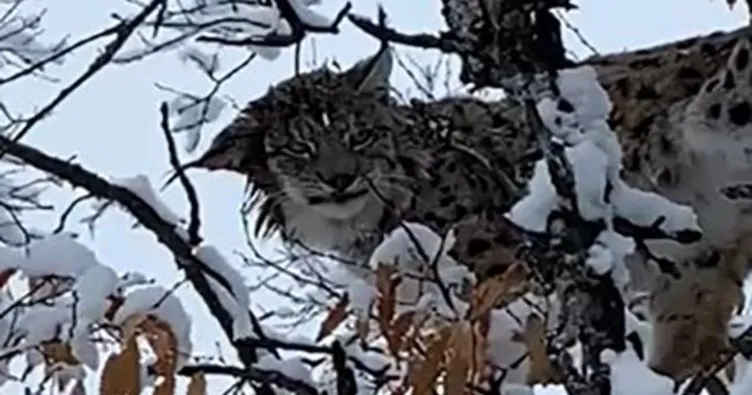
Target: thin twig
190 191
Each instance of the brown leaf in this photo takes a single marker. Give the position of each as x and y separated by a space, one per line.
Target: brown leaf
480 351
424 373
460 358
334 318
121 374
5 275
115 303
498 291
483 324
131 326
56 351
386 284
363 327
162 340
541 371
197 386
399 328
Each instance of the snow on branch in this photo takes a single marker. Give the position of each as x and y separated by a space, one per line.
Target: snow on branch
260 26
18 196
20 44
595 157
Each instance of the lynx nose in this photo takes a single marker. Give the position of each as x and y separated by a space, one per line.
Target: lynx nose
340 182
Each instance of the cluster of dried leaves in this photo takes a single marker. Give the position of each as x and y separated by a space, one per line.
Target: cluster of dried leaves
450 354
124 371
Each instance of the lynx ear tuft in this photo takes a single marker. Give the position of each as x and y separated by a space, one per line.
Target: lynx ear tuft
371 75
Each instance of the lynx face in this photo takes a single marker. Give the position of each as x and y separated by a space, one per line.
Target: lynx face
332 154
334 147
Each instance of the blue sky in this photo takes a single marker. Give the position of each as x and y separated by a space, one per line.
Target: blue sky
112 123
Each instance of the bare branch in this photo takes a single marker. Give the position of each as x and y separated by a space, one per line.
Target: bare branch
190 191
251 373
298 29
123 32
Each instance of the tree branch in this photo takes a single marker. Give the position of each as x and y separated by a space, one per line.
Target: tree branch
252 374
298 27
165 232
194 223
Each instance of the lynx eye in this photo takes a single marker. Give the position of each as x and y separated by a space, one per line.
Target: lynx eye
360 140
298 150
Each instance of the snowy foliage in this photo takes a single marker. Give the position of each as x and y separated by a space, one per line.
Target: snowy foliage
70 295
416 250
20 45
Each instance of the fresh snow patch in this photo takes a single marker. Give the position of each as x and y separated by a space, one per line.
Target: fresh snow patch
237 299
293 368
142 187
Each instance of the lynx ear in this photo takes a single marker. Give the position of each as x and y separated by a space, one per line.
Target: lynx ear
371 75
239 148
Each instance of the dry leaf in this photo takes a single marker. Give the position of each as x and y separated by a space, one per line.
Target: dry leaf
541 371
498 291
45 287
334 318
480 352
121 374
5 275
363 327
56 351
400 326
460 358
386 283
115 303
197 386
163 342
414 343
130 326
483 324
424 373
